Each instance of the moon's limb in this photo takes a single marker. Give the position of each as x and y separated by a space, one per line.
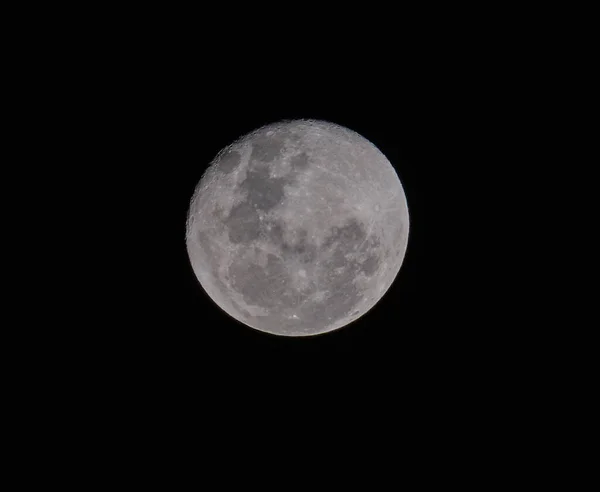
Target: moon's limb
298 228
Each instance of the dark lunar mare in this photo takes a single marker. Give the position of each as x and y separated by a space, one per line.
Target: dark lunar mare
228 161
262 193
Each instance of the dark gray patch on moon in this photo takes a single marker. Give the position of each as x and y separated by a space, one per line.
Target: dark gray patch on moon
342 270
264 192
370 265
352 232
243 222
300 162
305 252
266 149
302 250
229 161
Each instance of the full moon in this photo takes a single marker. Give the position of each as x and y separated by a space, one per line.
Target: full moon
298 228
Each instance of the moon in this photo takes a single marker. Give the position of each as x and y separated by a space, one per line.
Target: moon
298 228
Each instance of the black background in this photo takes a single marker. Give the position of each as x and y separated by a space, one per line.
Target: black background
133 359
150 107
176 112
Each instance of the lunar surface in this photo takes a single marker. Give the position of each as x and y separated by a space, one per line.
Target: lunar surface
298 228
